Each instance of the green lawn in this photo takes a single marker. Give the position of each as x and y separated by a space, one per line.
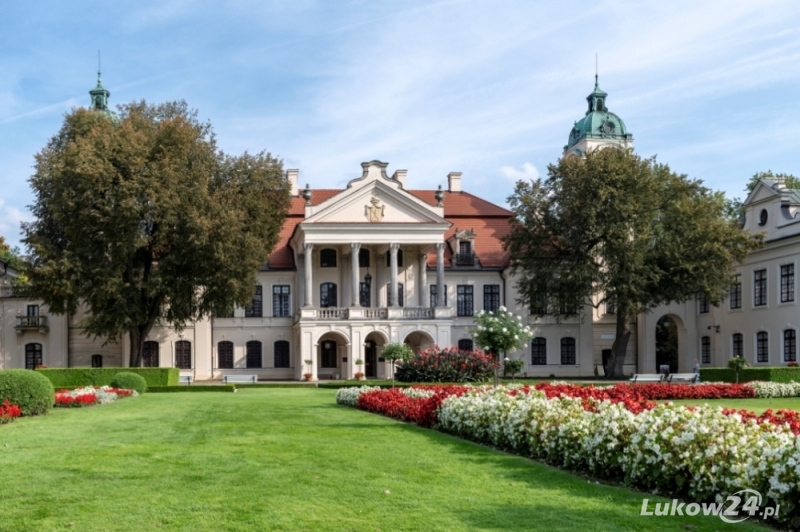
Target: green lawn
286 459
756 405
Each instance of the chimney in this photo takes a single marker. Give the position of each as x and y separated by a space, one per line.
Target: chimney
292 176
400 176
454 181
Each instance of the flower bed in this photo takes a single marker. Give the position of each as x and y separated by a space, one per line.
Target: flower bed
89 396
8 412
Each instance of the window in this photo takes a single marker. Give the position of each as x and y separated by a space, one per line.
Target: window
738 345
400 291
280 300
433 289
465 257
789 346
364 295
183 354
253 354
539 303
363 258
33 356
327 295
538 352
736 292
705 308
763 217
33 310
610 307
762 347
491 297
787 283
328 352
568 352
465 247
327 258
225 355
465 345
399 259
759 288
282 355
150 355
566 307
705 349
464 300
255 309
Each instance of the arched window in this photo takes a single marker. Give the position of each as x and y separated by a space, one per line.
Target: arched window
328 354
568 357
33 356
538 352
150 355
97 361
789 345
363 258
762 347
327 295
399 259
738 345
253 348
183 354
705 349
327 258
282 355
225 355
465 345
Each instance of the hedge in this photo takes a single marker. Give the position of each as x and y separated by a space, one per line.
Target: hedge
767 374
76 377
192 389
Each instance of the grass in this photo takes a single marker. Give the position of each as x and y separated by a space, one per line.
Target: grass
287 459
756 405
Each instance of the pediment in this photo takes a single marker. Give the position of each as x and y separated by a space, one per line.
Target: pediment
762 192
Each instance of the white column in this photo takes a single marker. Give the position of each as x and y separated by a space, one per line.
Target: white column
423 280
440 295
309 264
393 247
354 250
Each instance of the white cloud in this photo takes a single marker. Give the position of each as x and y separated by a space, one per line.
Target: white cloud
10 219
525 172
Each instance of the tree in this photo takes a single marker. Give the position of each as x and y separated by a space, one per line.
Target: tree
499 332
395 352
146 220
617 229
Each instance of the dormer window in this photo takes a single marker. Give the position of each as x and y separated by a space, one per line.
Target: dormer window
762 217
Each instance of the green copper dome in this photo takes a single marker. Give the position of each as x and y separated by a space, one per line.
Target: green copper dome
100 99
599 122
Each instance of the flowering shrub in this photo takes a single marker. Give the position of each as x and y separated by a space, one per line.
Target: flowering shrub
8 412
500 331
349 396
447 365
90 396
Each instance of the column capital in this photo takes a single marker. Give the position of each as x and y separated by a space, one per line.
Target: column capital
355 246
440 247
308 247
394 246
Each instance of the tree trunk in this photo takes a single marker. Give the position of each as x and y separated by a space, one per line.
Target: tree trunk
615 364
137 335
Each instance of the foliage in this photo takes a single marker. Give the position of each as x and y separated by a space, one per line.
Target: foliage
349 396
399 405
512 366
615 228
192 389
394 352
77 377
767 374
11 256
27 389
737 363
447 365
499 331
148 220
9 412
735 208
127 380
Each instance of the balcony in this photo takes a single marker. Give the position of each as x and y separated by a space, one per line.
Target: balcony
31 323
375 313
466 259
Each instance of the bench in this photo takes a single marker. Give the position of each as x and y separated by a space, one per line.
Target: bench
683 377
185 379
647 377
240 379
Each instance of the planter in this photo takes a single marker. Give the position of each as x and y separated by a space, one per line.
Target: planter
306 376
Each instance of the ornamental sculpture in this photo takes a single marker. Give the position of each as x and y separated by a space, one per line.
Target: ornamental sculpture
374 212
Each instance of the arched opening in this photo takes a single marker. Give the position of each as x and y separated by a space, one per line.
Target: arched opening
419 341
373 346
667 342
331 351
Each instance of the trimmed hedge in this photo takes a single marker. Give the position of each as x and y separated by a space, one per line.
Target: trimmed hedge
77 377
767 374
31 392
128 380
192 389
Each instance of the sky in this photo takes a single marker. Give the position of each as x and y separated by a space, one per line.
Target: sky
488 88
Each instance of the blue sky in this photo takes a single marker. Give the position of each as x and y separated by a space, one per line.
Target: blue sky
488 88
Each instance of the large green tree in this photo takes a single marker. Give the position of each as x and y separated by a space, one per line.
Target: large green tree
614 228
145 220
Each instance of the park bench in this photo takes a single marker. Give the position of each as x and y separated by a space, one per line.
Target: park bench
683 377
647 377
185 379
239 379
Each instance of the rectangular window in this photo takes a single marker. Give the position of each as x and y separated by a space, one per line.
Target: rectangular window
465 345
363 258
183 354
225 355
759 288
762 347
738 345
363 294
787 283
491 297
789 346
538 352
327 295
568 352
97 361
255 309
33 310
705 349
610 309
464 300
704 306
282 355
433 289
566 307
327 258
539 304
280 300
736 292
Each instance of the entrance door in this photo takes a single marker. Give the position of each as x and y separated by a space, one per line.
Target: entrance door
371 359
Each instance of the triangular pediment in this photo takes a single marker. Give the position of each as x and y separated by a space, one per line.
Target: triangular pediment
763 191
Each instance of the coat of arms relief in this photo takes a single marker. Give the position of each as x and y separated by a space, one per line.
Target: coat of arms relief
374 212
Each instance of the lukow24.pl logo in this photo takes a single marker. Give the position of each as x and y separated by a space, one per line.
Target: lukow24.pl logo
736 508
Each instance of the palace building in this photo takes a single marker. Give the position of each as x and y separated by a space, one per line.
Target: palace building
376 262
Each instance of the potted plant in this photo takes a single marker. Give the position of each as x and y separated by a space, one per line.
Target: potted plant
359 374
307 376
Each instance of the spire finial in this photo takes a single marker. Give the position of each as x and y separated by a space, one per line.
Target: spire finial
595 70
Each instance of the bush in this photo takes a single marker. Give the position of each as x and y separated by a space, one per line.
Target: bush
766 374
80 377
447 365
30 391
129 381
